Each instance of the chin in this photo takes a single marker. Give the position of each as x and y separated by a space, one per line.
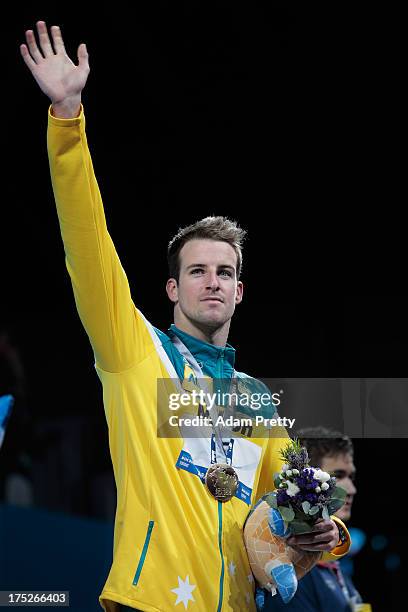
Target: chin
212 320
212 324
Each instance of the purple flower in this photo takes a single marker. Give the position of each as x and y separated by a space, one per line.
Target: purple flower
282 498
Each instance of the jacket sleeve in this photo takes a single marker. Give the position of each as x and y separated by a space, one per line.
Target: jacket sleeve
343 545
271 462
117 332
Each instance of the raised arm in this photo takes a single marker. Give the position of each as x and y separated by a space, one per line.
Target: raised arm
116 329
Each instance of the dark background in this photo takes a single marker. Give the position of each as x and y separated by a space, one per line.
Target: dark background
285 118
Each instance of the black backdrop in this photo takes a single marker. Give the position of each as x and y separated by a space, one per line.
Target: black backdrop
282 117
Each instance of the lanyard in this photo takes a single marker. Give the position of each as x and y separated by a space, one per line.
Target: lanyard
228 454
216 438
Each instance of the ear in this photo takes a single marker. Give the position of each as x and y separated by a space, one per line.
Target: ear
240 292
172 290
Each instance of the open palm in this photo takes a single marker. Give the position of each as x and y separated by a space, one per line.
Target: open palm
58 77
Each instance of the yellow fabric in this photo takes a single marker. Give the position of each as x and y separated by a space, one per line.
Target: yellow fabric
341 548
183 549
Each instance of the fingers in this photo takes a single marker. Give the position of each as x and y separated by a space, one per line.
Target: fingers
320 539
44 39
27 57
83 56
322 527
32 47
322 534
317 544
45 44
315 547
57 39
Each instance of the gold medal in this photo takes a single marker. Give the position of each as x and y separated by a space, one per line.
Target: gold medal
222 481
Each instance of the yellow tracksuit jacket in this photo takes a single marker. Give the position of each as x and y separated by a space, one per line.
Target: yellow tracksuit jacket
175 547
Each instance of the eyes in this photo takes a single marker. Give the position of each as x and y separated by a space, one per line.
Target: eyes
339 474
223 272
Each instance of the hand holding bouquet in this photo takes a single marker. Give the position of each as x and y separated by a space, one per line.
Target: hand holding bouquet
303 496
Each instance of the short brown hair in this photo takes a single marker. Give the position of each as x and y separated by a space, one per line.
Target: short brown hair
210 228
322 442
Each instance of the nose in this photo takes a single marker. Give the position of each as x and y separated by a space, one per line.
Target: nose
213 282
350 487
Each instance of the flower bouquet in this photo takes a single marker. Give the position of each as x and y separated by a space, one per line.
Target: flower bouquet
303 495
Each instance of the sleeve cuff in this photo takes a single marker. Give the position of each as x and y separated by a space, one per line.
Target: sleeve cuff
343 545
65 122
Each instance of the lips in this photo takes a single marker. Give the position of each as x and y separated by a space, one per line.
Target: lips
212 299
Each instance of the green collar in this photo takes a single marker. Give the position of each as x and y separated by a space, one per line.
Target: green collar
206 354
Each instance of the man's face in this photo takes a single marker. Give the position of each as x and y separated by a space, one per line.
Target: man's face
208 290
345 470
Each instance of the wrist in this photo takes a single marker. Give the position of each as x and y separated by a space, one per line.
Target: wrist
68 108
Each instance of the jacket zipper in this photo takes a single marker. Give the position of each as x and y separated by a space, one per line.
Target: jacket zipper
221 595
222 557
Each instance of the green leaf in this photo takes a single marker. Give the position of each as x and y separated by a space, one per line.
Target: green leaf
313 510
271 500
334 505
306 507
339 493
299 515
297 527
337 499
325 513
292 446
287 513
277 482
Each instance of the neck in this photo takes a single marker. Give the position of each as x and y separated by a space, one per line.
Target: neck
218 336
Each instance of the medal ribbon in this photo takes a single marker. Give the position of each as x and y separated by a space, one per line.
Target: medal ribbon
216 439
228 454
184 462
